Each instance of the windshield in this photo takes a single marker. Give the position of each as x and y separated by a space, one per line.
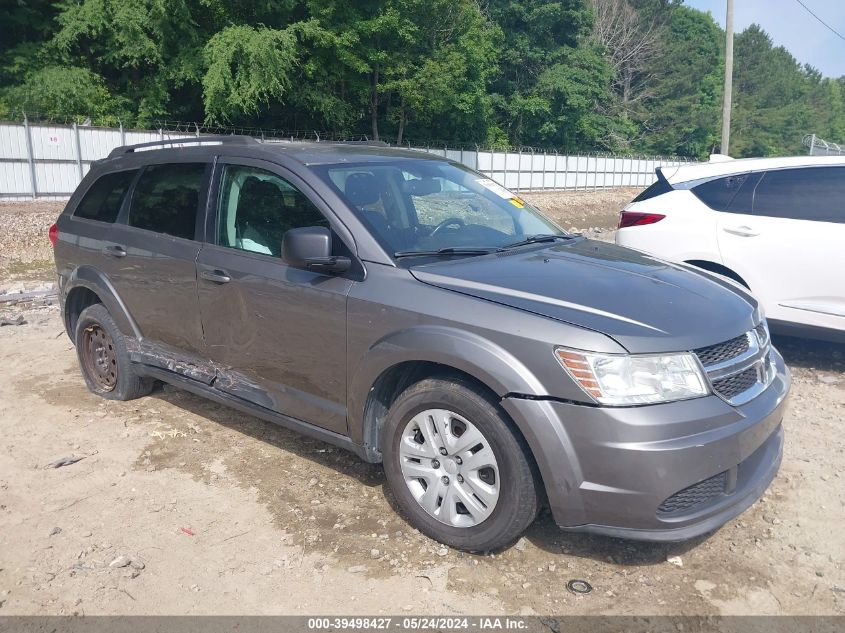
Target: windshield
424 206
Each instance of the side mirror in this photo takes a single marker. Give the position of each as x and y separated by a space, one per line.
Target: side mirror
310 247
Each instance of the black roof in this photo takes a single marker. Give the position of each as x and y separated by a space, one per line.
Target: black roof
305 152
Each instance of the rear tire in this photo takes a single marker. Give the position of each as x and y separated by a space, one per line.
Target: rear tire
457 467
104 359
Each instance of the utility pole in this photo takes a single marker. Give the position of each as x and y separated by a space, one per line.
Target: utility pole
729 72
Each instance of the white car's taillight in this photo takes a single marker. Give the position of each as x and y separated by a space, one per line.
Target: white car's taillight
635 218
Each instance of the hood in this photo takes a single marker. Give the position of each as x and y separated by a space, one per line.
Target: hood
645 304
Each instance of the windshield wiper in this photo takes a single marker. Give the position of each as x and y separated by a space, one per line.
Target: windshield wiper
451 250
536 239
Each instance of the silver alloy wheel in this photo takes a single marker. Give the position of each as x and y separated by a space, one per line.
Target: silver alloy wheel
449 467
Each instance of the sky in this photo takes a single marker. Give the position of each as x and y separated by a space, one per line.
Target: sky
789 25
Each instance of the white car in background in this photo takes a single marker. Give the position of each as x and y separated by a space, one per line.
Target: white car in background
775 225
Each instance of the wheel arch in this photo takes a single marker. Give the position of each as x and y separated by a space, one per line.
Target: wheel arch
88 286
719 269
392 382
403 358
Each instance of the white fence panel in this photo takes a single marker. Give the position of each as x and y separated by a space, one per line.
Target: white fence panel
15 179
56 179
97 143
13 142
59 156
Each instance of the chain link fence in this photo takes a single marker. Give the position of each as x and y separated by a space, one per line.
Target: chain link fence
819 147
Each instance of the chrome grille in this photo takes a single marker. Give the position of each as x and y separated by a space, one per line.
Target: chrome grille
713 354
762 334
736 384
739 369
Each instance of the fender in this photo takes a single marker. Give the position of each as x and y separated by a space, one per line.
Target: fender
95 281
474 355
520 391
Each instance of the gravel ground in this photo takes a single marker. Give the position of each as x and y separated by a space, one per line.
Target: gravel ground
593 213
25 253
181 506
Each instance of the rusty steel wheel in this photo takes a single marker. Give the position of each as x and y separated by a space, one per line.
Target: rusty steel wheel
99 357
104 358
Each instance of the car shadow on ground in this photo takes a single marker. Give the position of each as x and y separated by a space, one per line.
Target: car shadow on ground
811 354
316 451
545 534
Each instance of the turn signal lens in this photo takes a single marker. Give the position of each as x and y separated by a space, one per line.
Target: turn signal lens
632 218
578 367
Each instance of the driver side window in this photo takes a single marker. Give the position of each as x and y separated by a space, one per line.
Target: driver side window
256 207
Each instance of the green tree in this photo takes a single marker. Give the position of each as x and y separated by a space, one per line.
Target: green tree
67 92
683 115
410 61
143 49
630 75
772 111
246 68
550 78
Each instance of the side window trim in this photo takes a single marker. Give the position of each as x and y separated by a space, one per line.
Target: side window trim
123 203
202 202
811 216
754 179
760 179
123 214
257 206
336 224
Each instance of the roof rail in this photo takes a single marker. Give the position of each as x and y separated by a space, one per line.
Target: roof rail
370 143
292 139
230 139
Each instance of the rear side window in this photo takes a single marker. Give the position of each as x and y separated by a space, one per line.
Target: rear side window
811 193
658 188
167 199
718 194
104 198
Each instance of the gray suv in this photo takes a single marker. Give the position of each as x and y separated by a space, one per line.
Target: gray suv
418 314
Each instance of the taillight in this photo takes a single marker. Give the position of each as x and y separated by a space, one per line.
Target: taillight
632 218
53 234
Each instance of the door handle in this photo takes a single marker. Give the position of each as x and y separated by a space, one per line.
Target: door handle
742 231
114 250
217 276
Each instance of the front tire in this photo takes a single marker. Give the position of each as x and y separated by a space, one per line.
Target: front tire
458 469
104 359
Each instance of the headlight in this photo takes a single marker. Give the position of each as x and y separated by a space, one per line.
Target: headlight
619 380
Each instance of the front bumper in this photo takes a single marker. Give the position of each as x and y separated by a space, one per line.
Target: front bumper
665 472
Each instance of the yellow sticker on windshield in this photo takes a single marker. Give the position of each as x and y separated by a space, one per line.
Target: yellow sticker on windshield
519 203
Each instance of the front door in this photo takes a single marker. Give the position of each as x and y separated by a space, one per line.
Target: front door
277 334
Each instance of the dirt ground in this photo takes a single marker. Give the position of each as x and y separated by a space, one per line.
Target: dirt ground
181 506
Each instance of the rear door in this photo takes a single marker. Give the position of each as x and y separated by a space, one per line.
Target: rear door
789 248
277 334
88 231
154 251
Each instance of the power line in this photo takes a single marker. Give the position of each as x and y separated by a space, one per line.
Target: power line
825 24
